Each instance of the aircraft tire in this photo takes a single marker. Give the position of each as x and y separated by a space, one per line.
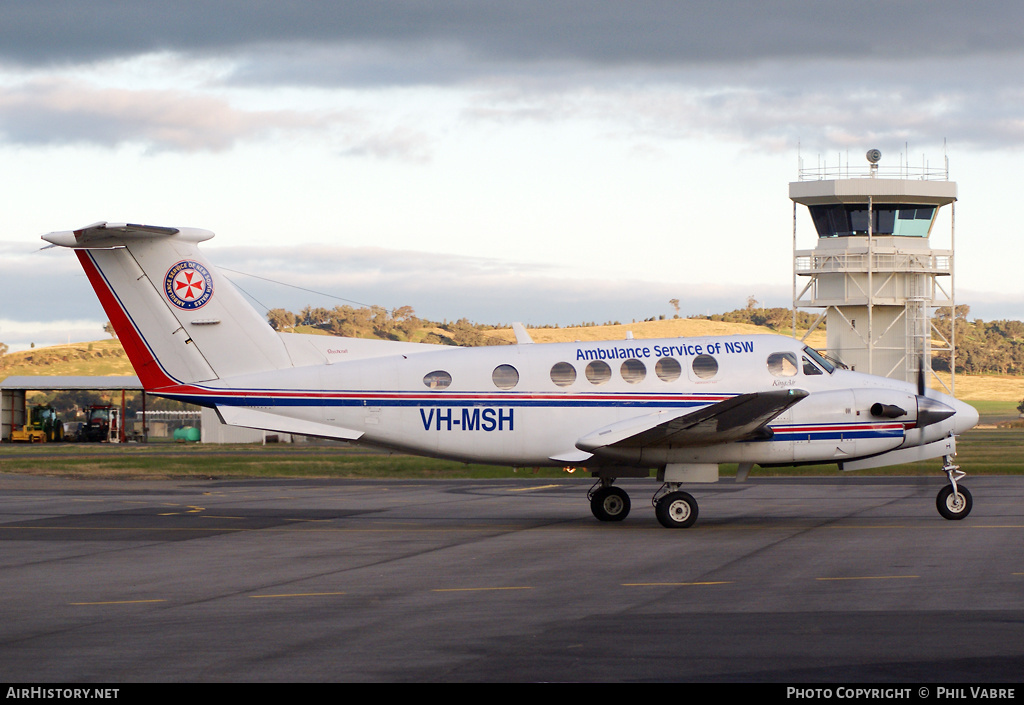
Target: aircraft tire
610 504
947 505
676 510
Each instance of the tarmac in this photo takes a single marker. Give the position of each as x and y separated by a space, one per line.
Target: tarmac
838 580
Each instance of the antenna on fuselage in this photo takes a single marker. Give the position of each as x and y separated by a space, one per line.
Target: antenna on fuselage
522 335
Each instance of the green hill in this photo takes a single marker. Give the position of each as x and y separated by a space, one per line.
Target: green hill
100 357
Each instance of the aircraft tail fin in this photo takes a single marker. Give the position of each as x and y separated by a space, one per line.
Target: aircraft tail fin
179 320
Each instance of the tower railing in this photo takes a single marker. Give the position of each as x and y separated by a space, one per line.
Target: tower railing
921 173
809 263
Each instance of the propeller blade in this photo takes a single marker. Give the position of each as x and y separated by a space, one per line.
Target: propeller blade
920 377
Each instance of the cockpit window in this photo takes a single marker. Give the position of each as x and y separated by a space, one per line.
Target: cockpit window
822 362
782 364
810 368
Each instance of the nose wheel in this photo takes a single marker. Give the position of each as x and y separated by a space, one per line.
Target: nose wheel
954 501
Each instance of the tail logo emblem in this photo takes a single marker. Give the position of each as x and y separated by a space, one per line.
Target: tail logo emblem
188 285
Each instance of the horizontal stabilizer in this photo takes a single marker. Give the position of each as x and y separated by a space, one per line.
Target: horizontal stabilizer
250 418
738 418
104 235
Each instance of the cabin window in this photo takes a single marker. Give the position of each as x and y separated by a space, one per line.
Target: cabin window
438 379
598 372
668 369
633 371
563 374
505 377
782 364
705 366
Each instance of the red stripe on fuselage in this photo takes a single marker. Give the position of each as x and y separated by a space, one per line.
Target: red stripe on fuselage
146 367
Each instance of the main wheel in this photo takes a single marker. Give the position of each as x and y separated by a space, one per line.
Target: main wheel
954 506
676 510
610 504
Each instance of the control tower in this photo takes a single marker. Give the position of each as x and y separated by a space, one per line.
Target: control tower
873 271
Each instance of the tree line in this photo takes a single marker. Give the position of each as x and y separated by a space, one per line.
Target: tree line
400 323
982 347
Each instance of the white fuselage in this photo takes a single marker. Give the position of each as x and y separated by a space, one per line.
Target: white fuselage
529 404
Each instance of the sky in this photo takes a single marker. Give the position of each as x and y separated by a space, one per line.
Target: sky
550 162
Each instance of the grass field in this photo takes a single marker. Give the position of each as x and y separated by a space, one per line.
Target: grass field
986 451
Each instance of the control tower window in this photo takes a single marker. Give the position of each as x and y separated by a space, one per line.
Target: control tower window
845 220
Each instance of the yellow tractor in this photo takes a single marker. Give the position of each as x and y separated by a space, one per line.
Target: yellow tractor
43 426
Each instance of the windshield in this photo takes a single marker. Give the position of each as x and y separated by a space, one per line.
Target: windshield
825 364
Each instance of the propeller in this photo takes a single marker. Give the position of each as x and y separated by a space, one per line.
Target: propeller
929 410
920 377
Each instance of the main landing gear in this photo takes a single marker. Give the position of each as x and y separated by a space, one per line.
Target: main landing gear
954 501
674 508
608 503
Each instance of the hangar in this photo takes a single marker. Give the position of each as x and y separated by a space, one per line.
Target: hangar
13 391
14 408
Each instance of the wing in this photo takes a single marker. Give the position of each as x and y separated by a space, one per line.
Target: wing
252 418
740 418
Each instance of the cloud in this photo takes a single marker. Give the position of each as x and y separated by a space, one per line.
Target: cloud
401 143
654 32
765 74
56 302
60 111
444 286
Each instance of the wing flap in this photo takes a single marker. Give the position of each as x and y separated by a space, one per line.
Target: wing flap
743 417
572 456
265 421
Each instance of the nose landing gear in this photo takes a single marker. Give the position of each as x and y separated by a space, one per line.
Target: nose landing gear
954 501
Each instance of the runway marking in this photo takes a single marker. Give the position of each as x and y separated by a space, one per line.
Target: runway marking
710 582
531 489
117 602
482 589
875 577
298 594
